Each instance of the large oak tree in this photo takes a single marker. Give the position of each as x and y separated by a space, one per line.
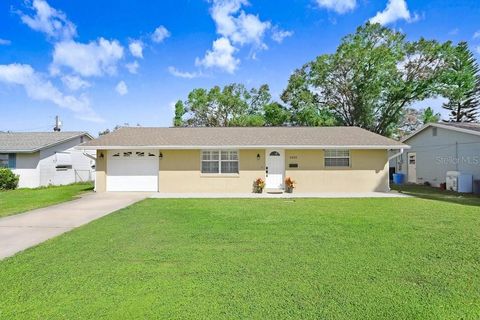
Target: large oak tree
370 79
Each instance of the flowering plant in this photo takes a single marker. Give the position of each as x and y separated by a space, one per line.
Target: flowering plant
289 184
258 185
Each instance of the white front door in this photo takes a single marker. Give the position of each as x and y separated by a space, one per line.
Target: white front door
412 167
132 170
275 168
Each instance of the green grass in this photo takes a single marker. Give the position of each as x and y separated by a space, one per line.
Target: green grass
397 258
21 200
432 193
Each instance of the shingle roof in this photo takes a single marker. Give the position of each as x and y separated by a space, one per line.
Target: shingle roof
242 137
33 141
464 125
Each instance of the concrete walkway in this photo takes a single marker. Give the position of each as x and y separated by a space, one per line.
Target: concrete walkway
22 231
391 194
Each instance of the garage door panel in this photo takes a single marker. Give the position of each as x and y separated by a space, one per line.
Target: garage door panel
132 183
132 171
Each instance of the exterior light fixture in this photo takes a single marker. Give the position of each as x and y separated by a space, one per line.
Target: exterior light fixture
160 156
101 155
258 156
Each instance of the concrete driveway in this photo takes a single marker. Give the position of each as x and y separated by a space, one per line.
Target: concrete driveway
22 231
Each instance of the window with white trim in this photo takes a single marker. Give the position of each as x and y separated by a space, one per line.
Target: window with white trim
337 158
219 161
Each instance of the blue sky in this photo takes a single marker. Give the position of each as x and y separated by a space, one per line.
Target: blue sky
101 63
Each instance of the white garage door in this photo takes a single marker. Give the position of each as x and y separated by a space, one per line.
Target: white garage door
132 170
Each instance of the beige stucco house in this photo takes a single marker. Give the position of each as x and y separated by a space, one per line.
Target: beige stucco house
203 160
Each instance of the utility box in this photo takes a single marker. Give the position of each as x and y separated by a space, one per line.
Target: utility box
459 182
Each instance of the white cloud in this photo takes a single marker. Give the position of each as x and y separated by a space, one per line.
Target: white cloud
5 42
52 22
183 74
122 88
221 56
395 10
476 34
236 29
75 83
136 48
234 24
339 6
278 34
132 67
38 87
160 34
91 59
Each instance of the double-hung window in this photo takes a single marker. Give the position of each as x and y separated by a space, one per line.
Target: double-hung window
337 158
219 161
8 160
3 160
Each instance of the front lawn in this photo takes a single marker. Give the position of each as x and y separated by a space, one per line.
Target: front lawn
21 200
397 258
428 192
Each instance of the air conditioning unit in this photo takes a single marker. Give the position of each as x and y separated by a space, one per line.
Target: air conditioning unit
459 182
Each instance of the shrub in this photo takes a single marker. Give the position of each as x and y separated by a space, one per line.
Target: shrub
8 180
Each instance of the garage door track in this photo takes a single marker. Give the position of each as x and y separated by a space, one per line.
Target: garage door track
21 231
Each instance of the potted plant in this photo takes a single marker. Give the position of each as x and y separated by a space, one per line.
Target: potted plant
258 185
289 185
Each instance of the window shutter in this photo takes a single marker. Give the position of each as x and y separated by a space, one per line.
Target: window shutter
12 160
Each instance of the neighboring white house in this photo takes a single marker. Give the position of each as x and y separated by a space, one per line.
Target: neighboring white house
46 158
440 147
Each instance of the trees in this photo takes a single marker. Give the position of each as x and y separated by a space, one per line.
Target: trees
370 79
258 99
179 112
216 107
304 104
463 86
275 114
428 116
411 120
232 105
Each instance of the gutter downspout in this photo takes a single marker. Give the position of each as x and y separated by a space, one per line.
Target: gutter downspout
390 158
396 155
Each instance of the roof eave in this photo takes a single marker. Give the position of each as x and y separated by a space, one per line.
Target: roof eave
18 151
177 147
